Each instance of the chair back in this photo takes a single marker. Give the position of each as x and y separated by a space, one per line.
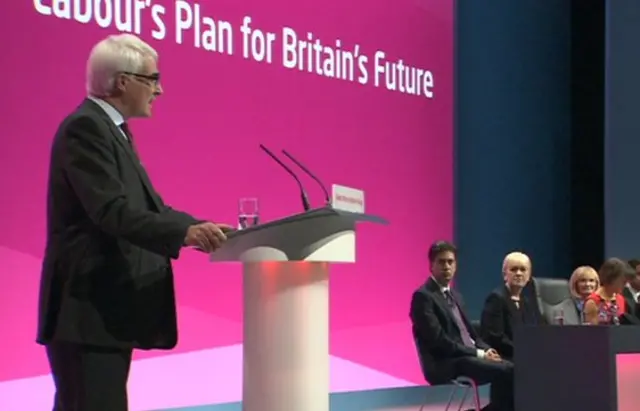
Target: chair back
552 291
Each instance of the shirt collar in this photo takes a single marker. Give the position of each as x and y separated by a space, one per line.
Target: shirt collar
111 111
442 289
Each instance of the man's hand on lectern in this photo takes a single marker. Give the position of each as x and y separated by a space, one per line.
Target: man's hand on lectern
226 228
207 236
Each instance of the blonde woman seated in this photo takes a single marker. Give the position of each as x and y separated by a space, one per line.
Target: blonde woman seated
506 307
584 281
606 305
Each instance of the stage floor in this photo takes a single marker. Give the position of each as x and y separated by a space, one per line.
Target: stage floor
184 382
394 399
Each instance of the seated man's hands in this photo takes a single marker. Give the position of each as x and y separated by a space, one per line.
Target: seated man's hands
207 236
492 355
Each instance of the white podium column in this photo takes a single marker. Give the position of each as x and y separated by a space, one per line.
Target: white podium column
286 336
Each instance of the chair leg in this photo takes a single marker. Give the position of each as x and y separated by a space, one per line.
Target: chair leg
464 397
453 392
422 406
424 403
476 395
467 384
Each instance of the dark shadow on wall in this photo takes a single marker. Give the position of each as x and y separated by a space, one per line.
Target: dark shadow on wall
517 133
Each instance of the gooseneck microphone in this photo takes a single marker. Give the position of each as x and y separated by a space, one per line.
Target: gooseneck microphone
303 193
327 197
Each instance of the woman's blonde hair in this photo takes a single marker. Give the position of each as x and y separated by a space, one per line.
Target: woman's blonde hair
578 274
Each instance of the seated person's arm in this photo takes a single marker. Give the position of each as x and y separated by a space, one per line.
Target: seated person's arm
430 331
591 312
530 294
549 312
480 343
538 311
492 325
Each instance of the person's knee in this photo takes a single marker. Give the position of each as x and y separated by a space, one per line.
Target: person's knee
508 367
505 373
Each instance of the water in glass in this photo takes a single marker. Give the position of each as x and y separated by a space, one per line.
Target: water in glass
248 214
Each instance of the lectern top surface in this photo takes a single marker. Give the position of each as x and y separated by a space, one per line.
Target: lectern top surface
315 213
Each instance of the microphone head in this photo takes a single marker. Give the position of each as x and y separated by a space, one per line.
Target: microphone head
305 201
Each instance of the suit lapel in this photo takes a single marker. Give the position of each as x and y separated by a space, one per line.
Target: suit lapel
434 288
533 283
127 147
457 298
629 300
511 305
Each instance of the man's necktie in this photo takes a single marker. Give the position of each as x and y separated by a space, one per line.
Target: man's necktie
127 132
457 315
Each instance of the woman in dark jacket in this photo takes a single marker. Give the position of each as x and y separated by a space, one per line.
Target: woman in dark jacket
506 307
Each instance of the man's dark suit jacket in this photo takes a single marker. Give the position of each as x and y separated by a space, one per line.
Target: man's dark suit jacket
436 333
633 307
500 316
106 275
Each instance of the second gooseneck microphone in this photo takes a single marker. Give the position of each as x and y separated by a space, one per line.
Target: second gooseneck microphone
303 194
327 198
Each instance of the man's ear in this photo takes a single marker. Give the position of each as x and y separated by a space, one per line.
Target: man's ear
120 83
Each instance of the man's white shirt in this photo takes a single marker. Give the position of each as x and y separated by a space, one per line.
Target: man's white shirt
113 114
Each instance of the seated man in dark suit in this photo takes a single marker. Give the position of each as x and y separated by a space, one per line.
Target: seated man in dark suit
631 291
447 344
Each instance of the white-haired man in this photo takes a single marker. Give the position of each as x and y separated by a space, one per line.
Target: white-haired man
107 283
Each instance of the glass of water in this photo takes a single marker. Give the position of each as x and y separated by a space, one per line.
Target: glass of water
558 317
248 213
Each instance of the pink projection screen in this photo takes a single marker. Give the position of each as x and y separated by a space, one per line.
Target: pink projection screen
627 377
367 103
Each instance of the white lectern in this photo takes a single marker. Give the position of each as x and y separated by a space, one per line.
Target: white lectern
286 305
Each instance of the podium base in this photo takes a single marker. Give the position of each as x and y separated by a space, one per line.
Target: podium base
286 336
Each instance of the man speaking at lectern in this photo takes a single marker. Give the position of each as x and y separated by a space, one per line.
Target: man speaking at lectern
107 283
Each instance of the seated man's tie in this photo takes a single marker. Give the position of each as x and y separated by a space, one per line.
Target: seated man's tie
457 315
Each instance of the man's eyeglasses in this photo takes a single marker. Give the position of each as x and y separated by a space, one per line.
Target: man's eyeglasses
152 78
